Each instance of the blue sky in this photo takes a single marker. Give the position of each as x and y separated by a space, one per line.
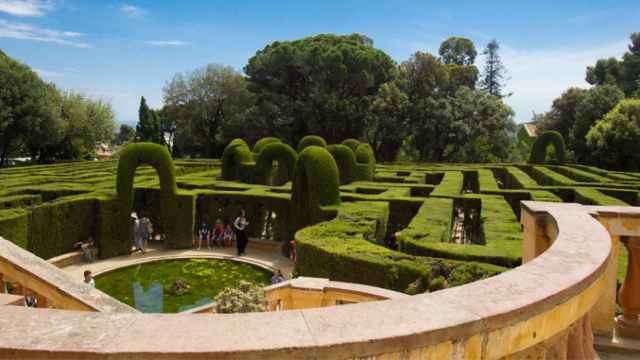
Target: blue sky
119 51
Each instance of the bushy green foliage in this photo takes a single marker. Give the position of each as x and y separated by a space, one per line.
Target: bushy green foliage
316 184
366 162
260 144
351 143
14 226
311 140
539 149
237 161
346 160
286 157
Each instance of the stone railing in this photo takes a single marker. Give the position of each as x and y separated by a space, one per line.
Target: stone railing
539 310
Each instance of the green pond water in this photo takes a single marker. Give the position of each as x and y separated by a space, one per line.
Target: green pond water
152 287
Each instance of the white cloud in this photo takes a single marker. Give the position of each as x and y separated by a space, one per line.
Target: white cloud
168 43
20 31
26 8
538 76
132 10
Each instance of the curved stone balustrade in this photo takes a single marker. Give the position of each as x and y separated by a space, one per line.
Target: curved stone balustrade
539 308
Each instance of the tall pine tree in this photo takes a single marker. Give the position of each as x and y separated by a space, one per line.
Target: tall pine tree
148 128
493 75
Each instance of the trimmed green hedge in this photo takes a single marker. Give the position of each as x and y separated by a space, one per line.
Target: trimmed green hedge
237 161
260 144
450 185
311 140
286 157
366 162
346 160
14 226
316 184
345 249
351 143
432 224
539 149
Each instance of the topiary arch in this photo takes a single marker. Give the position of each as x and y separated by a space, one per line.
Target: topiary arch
311 140
539 149
366 162
346 160
260 144
237 161
286 158
316 185
352 143
158 157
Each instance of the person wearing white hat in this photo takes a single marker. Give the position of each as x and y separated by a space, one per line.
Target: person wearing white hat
137 233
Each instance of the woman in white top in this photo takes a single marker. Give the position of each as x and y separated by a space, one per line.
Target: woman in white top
240 224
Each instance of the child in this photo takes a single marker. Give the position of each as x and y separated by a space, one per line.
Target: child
204 235
88 278
218 234
229 235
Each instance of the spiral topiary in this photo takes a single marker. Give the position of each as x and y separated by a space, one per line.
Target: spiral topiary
346 160
311 140
260 144
366 162
237 160
539 149
316 184
352 143
283 154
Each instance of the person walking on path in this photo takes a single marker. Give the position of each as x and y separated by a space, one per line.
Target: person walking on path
137 233
240 224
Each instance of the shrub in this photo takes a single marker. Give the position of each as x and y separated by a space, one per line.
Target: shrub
284 155
260 144
438 283
346 160
366 162
352 144
316 184
539 149
246 298
237 160
14 226
311 140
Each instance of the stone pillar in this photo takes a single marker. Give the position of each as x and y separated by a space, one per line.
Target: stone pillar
42 301
580 340
1 283
627 324
535 238
604 311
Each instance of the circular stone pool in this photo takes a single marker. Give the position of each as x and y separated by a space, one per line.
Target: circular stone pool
170 286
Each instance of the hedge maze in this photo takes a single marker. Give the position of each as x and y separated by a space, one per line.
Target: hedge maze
453 223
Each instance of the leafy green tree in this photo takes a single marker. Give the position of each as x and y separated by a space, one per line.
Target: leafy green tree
148 127
458 50
126 134
493 76
321 84
203 103
615 139
387 122
85 124
624 73
563 113
594 105
423 76
29 111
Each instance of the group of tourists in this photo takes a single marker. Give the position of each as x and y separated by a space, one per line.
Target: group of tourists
223 233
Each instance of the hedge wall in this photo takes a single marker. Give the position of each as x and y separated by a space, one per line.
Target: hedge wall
366 162
345 249
351 143
311 140
237 161
260 144
346 160
539 149
14 226
286 157
316 184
